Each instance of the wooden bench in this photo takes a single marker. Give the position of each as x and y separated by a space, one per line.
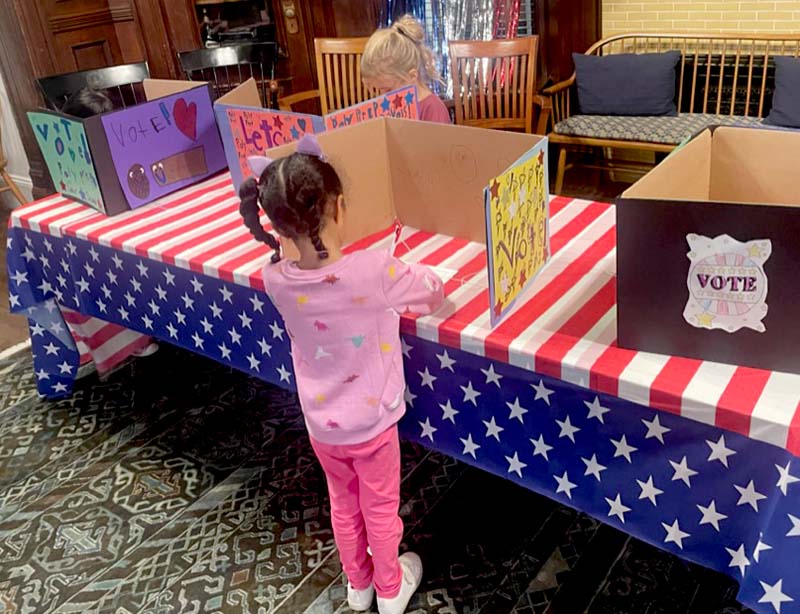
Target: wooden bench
721 79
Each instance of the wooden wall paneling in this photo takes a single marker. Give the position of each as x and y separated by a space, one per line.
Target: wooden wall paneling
296 34
34 36
17 64
317 19
153 25
565 27
355 18
129 35
81 33
181 20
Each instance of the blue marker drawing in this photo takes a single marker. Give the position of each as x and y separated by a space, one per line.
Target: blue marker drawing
165 112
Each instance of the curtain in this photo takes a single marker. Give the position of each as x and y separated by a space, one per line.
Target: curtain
447 20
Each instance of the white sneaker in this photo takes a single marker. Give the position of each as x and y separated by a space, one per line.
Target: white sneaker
412 576
360 601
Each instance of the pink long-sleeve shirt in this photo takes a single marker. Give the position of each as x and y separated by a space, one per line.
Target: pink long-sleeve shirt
344 324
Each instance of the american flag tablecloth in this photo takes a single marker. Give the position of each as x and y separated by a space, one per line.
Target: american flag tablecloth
545 398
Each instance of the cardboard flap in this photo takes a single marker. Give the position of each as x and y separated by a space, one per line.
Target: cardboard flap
158 88
245 95
435 164
358 154
64 143
684 175
756 166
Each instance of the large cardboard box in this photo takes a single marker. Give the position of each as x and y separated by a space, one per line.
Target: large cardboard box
708 251
449 180
129 157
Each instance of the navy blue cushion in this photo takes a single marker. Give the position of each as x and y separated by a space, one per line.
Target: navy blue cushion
786 98
627 83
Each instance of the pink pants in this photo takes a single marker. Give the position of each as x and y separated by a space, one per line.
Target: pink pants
364 488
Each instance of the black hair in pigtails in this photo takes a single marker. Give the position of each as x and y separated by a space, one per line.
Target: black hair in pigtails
248 209
313 235
296 193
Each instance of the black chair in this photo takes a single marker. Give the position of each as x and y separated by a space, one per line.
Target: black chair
227 67
122 84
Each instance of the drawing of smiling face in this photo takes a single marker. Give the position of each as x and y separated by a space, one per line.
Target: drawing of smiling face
138 182
159 173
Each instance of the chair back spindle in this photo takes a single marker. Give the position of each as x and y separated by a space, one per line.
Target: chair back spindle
122 84
339 72
493 82
225 68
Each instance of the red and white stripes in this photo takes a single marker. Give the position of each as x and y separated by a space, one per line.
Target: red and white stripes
564 326
105 343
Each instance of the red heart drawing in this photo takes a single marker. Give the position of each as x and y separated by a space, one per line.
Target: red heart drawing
186 117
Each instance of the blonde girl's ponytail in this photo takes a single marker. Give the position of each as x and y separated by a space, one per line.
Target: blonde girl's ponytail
399 49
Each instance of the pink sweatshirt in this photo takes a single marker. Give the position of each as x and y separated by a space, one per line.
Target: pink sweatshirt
344 324
432 109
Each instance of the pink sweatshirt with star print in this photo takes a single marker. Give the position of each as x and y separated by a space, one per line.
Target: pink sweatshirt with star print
344 324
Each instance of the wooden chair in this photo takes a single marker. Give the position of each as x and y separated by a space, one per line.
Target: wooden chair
227 67
8 183
494 81
338 75
122 84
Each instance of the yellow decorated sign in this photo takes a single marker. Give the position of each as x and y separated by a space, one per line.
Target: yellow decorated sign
517 228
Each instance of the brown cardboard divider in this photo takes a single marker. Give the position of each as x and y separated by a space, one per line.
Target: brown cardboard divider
755 167
360 157
245 94
684 175
728 164
439 172
158 88
428 176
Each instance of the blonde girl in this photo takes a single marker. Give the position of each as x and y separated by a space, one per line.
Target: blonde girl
397 56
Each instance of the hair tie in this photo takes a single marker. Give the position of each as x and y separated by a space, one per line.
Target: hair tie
404 33
258 165
309 145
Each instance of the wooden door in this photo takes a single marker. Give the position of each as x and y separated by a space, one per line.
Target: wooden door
299 22
80 34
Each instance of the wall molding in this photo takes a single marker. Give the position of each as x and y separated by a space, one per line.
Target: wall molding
78 21
122 13
23 181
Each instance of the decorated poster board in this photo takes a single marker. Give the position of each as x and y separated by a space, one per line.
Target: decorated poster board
127 158
163 145
401 103
248 130
66 152
517 228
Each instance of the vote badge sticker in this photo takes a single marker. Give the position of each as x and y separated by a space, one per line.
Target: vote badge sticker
727 283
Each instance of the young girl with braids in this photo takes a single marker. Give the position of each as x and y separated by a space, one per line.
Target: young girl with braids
342 314
397 56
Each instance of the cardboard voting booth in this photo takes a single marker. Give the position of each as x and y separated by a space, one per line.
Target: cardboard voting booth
129 157
708 250
484 186
249 130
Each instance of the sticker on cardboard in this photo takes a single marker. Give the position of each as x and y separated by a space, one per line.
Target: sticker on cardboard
727 283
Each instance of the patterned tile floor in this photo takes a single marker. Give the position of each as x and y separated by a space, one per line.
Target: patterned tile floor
177 485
